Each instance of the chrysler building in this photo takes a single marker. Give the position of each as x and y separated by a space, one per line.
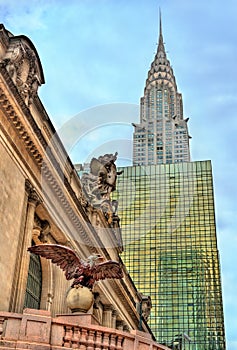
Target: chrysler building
162 135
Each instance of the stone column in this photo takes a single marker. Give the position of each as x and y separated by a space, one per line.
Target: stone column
33 201
114 318
107 316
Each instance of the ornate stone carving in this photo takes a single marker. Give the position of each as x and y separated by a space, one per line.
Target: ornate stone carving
100 182
20 128
41 231
36 235
33 196
145 305
21 64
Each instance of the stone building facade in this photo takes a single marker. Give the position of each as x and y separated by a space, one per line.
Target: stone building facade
42 202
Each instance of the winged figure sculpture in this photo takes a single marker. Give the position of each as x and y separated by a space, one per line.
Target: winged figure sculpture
85 273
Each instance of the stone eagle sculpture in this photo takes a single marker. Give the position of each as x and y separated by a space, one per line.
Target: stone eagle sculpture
85 273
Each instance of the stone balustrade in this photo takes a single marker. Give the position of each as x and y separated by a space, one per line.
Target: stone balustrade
37 330
91 339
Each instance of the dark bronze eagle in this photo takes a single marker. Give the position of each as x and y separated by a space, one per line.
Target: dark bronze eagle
85 273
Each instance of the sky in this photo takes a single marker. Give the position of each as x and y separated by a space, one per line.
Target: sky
95 56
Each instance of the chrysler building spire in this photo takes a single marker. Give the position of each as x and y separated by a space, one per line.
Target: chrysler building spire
161 46
162 135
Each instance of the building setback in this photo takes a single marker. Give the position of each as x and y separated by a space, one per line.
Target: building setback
170 250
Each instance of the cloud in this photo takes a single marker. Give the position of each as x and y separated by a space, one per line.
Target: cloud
22 15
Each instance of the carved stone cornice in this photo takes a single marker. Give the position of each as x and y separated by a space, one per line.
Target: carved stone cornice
20 129
52 184
38 156
118 290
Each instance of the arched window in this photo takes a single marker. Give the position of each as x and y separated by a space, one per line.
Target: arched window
34 283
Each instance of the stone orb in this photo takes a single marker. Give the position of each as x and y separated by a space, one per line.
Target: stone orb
79 299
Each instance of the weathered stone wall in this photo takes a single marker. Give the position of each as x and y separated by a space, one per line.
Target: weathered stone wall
12 190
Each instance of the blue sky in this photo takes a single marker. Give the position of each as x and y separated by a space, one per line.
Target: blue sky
97 52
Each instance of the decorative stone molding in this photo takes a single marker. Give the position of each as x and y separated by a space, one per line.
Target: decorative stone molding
42 231
33 196
23 134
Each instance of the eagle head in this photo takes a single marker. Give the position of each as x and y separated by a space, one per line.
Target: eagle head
92 259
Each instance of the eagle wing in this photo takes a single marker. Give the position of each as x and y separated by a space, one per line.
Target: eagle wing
60 255
108 269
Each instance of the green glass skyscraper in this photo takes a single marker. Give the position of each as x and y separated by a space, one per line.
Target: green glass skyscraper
170 250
